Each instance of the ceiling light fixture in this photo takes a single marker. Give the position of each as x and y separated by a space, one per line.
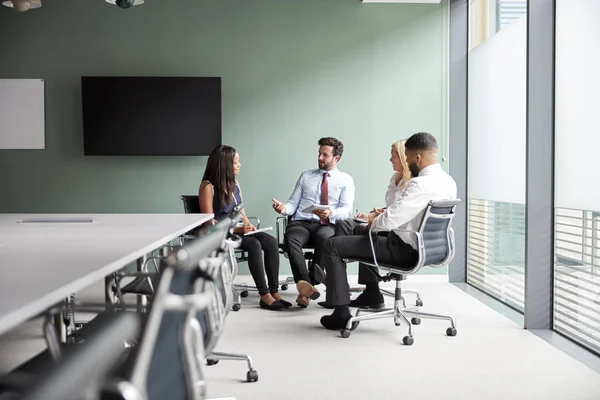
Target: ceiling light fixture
126 3
22 5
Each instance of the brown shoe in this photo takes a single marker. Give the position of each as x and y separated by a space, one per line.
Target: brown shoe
303 301
305 289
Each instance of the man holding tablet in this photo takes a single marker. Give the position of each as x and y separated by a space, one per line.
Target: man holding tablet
321 197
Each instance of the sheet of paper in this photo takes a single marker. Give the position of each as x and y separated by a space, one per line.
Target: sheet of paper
269 228
316 207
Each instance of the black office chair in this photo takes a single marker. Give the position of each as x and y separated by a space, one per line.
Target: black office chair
215 317
435 244
83 372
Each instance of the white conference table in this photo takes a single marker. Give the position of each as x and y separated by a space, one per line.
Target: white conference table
41 263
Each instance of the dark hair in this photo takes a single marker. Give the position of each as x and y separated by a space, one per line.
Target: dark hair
338 147
421 141
219 172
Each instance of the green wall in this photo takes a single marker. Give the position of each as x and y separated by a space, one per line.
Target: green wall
292 72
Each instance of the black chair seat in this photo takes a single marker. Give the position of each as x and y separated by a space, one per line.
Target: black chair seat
140 286
369 262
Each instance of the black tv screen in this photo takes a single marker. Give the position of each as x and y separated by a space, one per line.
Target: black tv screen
142 116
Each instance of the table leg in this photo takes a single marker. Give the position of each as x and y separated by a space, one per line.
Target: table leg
142 301
61 328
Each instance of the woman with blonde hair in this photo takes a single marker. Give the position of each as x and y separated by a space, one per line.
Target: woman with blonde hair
397 183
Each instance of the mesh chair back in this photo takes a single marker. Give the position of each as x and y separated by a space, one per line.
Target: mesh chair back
191 204
212 320
166 376
436 232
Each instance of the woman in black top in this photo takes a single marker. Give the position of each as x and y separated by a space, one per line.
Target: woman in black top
219 193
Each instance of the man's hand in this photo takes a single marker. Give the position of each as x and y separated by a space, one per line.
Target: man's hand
278 206
378 211
362 215
323 214
249 228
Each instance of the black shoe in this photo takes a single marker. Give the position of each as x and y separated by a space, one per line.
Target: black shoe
286 304
319 274
277 305
325 305
334 323
365 300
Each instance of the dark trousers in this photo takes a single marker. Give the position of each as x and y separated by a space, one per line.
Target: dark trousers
255 245
388 249
300 233
350 227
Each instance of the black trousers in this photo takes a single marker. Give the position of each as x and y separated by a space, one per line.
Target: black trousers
350 227
300 233
388 249
255 245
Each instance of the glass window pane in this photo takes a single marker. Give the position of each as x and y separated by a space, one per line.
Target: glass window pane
577 196
496 155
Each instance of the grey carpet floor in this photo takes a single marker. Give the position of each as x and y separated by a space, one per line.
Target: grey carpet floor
490 358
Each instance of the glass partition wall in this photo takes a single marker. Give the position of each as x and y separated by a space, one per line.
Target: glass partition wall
576 172
497 148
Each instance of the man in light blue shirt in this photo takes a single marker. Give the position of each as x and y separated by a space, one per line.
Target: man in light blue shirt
326 186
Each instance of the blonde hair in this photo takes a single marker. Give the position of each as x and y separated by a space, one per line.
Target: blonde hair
399 148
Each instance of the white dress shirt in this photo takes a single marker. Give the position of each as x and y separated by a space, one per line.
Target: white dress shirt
340 188
394 192
407 211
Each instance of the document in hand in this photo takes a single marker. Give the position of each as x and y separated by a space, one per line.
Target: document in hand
318 207
268 228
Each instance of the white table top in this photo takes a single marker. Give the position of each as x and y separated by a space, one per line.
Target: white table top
42 263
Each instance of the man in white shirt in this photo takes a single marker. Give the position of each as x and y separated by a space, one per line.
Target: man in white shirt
327 186
429 182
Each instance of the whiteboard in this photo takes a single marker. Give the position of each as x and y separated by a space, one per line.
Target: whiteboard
22 114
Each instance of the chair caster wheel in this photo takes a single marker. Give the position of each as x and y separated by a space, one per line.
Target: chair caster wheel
211 361
407 340
244 293
345 333
252 375
451 332
236 307
415 321
419 303
284 287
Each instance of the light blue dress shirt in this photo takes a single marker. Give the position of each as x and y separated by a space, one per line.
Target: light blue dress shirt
308 192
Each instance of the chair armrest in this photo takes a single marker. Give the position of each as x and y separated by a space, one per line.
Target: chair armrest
257 225
280 227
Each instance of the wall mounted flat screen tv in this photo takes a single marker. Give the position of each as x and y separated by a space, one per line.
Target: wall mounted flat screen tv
151 116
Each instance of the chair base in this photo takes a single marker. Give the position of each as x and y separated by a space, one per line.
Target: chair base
418 302
401 314
215 356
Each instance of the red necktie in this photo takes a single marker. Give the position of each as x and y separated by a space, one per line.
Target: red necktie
324 196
